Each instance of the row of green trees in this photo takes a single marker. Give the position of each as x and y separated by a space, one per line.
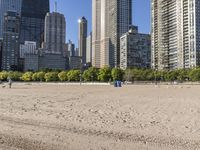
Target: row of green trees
105 74
181 75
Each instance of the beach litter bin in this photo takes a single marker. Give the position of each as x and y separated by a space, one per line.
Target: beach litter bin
119 84
115 83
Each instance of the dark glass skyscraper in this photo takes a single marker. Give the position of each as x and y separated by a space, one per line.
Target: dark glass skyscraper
32 20
82 38
10 53
1 48
8 5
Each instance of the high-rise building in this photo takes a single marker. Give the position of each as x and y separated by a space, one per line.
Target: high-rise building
75 62
33 14
71 48
82 38
29 47
111 19
1 48
52 55
175 34
89 49
8 5
55 33
10 53
135 50
96 32
77 52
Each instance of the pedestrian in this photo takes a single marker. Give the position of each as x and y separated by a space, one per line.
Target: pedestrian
9 82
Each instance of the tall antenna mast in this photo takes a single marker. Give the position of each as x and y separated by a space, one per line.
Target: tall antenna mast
55 6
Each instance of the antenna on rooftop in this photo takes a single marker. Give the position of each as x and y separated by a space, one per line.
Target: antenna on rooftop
55 6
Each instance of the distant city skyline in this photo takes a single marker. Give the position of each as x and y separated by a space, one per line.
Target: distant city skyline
72 12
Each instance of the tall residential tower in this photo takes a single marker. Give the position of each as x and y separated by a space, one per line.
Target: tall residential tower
175 34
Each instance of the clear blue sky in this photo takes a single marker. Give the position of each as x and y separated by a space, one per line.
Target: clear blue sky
74 9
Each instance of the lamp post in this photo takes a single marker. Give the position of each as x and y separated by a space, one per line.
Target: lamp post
92 77
80 75
155 74
81 69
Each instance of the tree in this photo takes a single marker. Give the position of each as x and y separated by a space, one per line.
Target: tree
128 75
15 75
34 77
3 75
149 75
183 74
41 76
136 74
194 74
171 75
63 76
51 76
27 76
74 75
117 74
91 74
105 74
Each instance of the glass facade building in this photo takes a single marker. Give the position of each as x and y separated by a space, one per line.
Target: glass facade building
10 53
82 38
32 20
8 5
1 48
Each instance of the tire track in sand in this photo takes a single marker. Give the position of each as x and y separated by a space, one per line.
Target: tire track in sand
169 143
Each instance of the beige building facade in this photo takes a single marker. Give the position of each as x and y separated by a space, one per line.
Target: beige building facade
111 19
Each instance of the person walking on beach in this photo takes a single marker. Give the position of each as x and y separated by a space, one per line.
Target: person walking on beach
9 82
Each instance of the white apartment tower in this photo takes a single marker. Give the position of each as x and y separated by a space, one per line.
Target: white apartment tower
111 19
175 34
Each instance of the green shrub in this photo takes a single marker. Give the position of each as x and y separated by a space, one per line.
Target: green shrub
117 74
74 75
194 74
15 76
63 76
27 76
4 75
41 76
105 74
91 74
34 77
51 76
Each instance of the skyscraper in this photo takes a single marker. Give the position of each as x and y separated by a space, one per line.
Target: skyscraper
10 53
32 20
89 49
111 19
55 33
71 48
135 50
8 5
1 48
96 32
175 34
82 38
